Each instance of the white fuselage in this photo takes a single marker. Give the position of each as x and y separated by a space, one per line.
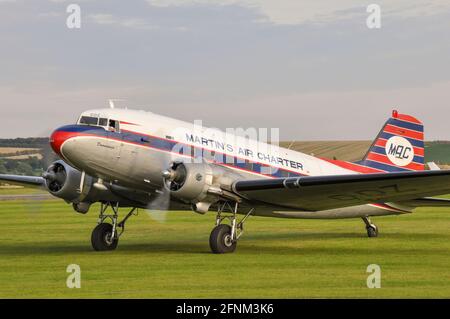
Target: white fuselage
143 144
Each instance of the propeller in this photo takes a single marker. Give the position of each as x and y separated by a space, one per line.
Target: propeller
158 208
175 176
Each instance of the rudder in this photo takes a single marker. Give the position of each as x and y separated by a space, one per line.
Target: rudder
398 147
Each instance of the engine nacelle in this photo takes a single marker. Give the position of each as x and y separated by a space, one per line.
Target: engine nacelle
199 184
64 181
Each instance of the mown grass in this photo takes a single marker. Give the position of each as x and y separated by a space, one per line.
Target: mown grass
276 258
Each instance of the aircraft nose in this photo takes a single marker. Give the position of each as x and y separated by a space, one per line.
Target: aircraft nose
57 138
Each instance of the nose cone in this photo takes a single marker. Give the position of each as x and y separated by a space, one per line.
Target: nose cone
57 139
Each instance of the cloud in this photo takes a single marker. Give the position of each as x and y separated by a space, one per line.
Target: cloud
286 72
109 19
292 12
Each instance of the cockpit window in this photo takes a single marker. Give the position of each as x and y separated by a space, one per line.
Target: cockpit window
88 120
103 122
107 124
113 126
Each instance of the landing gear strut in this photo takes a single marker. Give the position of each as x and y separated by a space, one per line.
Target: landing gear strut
105 236
372 229
224 237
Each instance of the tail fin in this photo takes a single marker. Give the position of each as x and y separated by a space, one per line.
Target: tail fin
398 147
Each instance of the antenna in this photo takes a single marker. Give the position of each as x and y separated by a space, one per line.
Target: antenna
290 145
111 102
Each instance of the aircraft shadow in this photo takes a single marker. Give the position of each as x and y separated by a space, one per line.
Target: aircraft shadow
252 244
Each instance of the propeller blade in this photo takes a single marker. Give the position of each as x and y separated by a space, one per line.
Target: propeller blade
158 207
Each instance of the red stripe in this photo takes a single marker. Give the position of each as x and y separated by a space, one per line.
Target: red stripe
390 208
353 167
408 118
403 132
415 166
58 138
128 123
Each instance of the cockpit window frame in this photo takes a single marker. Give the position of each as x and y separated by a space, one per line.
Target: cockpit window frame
81 122
103 122
115 128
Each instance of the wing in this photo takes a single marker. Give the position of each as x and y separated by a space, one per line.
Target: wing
315 193
22 180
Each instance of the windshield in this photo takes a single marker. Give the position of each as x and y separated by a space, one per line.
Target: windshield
110 125
88 120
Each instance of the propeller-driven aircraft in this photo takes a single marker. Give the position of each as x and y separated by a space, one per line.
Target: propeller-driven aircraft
132 159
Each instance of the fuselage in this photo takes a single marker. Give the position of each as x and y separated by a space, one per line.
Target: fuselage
132 148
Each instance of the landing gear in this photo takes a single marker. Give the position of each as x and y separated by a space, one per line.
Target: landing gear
221 241
105 236
102 237
223 238
372 229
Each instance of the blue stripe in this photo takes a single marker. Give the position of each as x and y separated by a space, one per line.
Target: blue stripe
83 128
418 159
168 145
414 142
407 125
384 167
378 150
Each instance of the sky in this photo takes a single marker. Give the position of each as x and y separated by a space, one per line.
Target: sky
313 69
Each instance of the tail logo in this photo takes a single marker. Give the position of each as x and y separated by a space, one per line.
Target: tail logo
399 151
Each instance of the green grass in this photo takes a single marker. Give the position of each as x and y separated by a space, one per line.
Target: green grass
276 258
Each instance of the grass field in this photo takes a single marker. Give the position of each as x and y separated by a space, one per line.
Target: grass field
276 258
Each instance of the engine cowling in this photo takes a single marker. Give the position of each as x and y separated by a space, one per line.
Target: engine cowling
63 181
199 184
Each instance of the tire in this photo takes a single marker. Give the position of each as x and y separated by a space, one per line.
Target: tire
99 238
220 240
372 231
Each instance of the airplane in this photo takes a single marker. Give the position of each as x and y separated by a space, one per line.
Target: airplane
125 158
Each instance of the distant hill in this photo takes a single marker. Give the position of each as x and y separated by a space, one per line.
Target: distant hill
28 142
25 156
342 150
438 151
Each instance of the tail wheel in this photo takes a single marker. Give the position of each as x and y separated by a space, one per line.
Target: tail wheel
372 231
101 238
221 241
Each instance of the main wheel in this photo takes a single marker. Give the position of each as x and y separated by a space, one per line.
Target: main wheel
220 240
372 231
101 238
